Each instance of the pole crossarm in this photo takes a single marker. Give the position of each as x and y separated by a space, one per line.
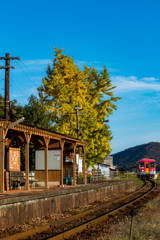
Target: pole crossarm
6 67
77 116
8 58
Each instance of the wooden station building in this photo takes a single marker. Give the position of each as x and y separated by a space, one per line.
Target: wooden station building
44 140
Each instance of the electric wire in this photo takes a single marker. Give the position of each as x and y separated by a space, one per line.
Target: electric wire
29 70
19 88
3 61
19 82
26 74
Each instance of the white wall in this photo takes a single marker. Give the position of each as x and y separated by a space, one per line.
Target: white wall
101 167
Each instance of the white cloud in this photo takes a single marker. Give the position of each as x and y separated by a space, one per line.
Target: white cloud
130 84
38 62
94 64
150 79
37 78
16 95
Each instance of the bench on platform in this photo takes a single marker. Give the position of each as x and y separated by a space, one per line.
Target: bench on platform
18 178
68 180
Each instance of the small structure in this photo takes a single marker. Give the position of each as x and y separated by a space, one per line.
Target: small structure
46 141
108 160
106 167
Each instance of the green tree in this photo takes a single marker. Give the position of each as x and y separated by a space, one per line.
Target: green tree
66 86
36 114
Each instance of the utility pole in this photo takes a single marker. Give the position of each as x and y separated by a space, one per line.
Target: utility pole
7 67
77 117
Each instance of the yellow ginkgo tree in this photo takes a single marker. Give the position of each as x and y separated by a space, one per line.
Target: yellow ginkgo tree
65 87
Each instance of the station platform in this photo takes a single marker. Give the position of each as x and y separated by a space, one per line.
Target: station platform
17 206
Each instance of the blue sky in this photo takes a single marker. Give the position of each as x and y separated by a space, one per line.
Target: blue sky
122 35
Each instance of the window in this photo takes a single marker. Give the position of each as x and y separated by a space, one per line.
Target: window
141 165
147 165
152 164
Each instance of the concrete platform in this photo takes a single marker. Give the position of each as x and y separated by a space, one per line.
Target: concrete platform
22 205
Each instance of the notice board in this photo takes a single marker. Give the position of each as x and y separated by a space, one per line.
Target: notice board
14 159
54 160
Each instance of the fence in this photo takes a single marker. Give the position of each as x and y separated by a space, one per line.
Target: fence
96 175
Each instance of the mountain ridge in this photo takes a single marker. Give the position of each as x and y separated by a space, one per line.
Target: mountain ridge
128 157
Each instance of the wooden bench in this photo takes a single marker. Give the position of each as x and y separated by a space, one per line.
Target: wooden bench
18 178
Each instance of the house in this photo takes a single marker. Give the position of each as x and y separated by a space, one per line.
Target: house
106 167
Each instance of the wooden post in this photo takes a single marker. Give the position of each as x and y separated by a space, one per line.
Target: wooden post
2 136
27 138
84 165
46 140
62 142
7 73
74 165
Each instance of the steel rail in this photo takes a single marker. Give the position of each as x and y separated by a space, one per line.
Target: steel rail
98 220
69 219
87 212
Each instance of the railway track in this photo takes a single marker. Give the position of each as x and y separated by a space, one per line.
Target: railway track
70 226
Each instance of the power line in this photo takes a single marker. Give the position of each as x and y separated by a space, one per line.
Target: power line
14 82
2 61
29 70
18 87
20 83
26 74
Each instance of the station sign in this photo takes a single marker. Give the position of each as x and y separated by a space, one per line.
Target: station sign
14 159
80 160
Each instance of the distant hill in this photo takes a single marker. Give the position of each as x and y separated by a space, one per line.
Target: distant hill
130 156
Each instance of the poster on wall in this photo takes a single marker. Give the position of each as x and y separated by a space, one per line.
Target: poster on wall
57 156
14 159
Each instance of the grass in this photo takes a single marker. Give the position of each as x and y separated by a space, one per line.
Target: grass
77 211
146 224
136 181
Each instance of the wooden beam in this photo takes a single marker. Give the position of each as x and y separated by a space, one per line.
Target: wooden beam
23 127
19 143
62 142
27 138
46 140
41 142
55 145
21 138
2 136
